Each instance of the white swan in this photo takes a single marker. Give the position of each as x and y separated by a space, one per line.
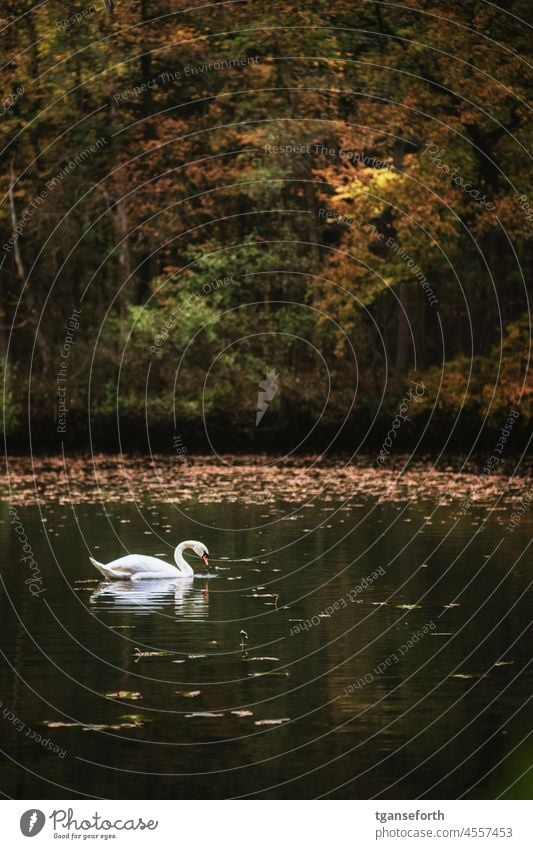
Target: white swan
141 567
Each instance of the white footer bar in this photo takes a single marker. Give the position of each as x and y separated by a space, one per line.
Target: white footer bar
267 824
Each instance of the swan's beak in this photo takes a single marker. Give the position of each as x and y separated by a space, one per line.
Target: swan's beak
205 558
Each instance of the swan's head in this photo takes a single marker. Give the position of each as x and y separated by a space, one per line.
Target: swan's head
198 547
201 550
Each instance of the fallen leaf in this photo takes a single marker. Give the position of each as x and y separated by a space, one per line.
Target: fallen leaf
205 713
123 694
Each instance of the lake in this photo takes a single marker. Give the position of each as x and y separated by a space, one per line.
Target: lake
387 620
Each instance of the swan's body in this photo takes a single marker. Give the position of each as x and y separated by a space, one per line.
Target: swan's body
142 567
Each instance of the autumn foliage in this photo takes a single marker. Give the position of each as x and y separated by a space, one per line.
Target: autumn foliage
358 171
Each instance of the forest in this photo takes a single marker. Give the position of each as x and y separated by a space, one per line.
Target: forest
318 205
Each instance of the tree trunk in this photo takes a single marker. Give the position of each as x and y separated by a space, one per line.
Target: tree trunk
21 274
402 339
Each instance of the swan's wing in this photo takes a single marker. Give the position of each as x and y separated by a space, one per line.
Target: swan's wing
134 564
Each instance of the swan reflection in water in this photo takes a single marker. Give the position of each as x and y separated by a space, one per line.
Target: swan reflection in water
189 598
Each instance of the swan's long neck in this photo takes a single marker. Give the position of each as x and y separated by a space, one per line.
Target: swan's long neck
181 563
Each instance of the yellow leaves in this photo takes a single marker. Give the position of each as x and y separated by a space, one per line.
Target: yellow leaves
386 180
372 191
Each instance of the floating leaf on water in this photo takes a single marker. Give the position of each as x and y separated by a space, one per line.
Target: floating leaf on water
261 658
473 675
123 694
261 595
188 694
202 713
136 717
271 674
138 654
271 721
119 726
122 480
136 722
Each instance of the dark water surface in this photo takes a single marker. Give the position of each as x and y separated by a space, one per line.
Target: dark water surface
148 690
